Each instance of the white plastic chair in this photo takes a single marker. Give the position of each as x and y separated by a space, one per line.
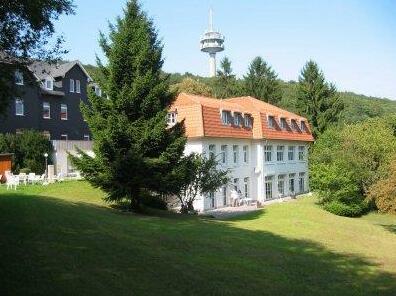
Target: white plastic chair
12 182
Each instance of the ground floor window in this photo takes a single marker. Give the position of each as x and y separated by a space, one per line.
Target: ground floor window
268 187
236 184
281 184
246 187
291 183
212 199
224 191
301 182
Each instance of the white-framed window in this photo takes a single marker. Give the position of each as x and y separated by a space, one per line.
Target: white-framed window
236 184
46 110
246 187
212 199
301 182
235 153
280 152
63 137
283 123
303 126
71 85
290 154
98 91
171 118
271 121
237 119
212 151
294 125
224 150
226 117
248 121
245 153
78 86
87 137
291 183
49 84
63 113
268 187
281 184
19 107
267 153
18 77
301 152
224 194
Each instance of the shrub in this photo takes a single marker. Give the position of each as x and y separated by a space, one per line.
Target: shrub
25 170
383 192
347 210
347 160
28 149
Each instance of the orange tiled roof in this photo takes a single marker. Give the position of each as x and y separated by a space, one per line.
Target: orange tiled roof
203 118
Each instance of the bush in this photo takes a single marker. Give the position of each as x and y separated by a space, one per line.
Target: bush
347 210
25 170
28 149
383 192
347 160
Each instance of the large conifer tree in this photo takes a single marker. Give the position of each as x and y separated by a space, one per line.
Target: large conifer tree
225 84
317 99
134 149
262 82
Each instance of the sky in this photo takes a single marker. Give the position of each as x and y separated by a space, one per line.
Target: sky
353 41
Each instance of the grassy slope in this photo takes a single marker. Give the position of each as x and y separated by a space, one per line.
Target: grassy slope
61 239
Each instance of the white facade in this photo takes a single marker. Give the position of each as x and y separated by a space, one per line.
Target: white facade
261 169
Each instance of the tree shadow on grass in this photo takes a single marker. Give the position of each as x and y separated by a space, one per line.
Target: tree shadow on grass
390 228
49 246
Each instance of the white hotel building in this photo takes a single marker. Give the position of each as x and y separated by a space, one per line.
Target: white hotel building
264 147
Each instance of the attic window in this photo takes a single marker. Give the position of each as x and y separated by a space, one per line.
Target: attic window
271 121
303 126
226 117
49 84
294 125
237 119
283 123
248 121
18 77
171 118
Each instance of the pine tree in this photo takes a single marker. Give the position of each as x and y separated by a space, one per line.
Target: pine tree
262 82
134 149
317 99
225 84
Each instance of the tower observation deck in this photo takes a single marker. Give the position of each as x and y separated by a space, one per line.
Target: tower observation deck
212 42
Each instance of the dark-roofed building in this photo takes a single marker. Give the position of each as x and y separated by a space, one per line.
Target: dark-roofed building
53 105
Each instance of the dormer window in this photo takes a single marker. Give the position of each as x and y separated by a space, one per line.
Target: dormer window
226 117
303 126
171 118
237 119
294 125
18 75
283 123
49 84
271 121
248 121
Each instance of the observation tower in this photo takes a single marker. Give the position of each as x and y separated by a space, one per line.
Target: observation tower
212 42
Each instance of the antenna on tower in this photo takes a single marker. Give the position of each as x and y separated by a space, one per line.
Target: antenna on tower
210 19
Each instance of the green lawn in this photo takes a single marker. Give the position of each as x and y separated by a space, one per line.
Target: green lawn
63 240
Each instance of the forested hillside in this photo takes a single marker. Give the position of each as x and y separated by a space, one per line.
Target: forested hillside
357 107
